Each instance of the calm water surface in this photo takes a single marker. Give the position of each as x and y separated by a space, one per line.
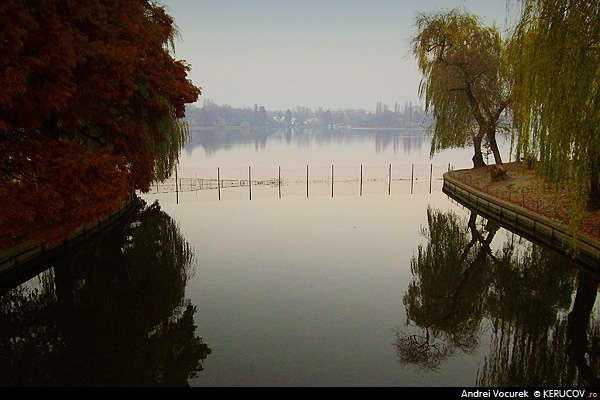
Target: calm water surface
289 286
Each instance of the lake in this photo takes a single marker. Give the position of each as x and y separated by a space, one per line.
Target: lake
319 258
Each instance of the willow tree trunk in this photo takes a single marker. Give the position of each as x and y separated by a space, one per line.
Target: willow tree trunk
491 136
593 202
478 156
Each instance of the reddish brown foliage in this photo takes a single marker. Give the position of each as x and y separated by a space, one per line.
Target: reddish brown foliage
85 85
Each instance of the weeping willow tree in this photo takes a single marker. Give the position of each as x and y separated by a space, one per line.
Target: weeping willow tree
463 82
175 132
556 59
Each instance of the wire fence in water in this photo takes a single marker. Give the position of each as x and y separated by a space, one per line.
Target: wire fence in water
332 180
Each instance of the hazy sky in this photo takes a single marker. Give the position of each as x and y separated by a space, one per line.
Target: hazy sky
335 54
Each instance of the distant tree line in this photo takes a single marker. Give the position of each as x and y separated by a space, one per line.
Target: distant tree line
211 114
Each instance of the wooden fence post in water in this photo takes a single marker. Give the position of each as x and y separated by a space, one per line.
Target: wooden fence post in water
412 177
390 180
361 179
430 176
249 183
176 187
332 181
307 181
219 182
279 181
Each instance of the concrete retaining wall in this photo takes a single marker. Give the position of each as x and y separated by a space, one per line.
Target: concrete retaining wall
29 261
531 225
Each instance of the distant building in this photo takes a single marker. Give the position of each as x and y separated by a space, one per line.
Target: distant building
313 121
281 120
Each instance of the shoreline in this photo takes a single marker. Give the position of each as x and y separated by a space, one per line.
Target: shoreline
26 259
524 194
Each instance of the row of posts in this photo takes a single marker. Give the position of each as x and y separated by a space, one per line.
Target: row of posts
307 180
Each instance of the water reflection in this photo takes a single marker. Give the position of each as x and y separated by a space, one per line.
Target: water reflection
112 313
213 140
521 294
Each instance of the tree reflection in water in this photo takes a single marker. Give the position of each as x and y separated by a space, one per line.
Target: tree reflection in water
112 313
521 293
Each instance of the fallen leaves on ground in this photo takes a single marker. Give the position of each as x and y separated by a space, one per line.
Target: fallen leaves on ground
525 188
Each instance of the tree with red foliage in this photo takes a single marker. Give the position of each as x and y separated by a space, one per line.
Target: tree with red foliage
91 109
